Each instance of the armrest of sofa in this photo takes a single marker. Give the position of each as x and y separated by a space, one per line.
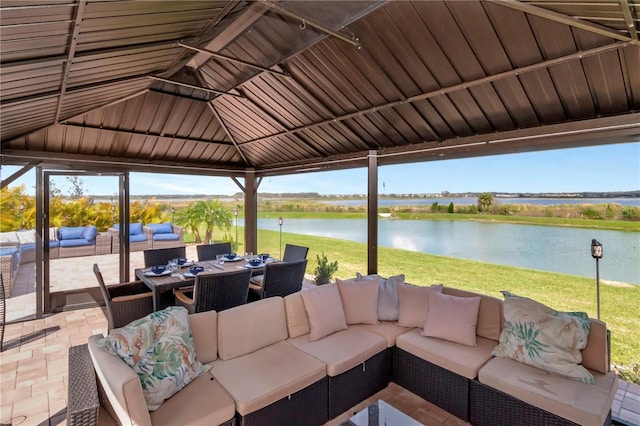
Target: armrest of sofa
83 402
148 232
177 229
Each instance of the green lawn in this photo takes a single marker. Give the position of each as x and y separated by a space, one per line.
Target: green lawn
619 305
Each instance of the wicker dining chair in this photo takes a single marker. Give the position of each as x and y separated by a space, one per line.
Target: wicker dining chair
215 291
280 279
163 256
210 251
293 252
125 302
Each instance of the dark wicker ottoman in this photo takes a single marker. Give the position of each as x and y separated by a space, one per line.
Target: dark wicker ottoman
83 403
438 385
489 407
357 384
305 407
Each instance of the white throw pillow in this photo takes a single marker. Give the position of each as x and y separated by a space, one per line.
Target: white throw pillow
388 305
452 318
324 310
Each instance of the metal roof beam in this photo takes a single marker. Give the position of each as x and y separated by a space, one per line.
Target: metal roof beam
628 19
564 19
191 86
73 42
17 174
228 132
234 60
135 133
457 87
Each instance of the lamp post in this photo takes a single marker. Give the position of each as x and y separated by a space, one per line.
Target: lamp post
235 213
596 253
173 212
280 222
22 216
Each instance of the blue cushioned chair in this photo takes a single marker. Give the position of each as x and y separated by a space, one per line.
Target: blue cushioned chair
164 235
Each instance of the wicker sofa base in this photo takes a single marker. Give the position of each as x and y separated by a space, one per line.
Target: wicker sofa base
357 384
305 407
489 406
438 385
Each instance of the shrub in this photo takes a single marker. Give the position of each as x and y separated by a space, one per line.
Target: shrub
325 269
628 373
450 208
631 213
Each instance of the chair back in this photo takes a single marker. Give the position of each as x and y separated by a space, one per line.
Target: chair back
105 295
210 251
163 256
293 253
283 278
220 291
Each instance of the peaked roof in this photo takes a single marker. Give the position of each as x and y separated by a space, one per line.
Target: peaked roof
220 87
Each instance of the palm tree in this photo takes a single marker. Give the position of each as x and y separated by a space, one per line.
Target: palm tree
485 200
207 214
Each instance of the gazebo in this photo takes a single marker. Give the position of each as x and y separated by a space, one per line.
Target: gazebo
254 89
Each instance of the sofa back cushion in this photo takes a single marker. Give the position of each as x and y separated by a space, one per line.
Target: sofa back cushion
161 228
359 301
248 328
490 319
595 356
9 238
72 232
413 302
26 237
297 320
325 311
90 233
121 385
204 329
134 228
452 318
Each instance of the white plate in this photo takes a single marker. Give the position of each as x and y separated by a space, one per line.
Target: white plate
151 274
187 264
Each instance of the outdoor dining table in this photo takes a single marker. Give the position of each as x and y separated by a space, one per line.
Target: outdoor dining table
159 284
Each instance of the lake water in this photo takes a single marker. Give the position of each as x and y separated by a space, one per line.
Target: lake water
548 248
390 202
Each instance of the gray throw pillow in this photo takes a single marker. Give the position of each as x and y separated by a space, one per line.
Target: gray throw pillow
388 298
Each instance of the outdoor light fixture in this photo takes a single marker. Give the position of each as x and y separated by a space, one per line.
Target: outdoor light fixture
22 216
596 253
213 222
235 213
173 212
280 222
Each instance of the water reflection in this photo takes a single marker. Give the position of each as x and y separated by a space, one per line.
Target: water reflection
556 249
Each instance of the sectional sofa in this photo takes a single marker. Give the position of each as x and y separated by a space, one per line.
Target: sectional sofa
312 355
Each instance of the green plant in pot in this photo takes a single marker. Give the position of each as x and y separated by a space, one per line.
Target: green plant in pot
325 269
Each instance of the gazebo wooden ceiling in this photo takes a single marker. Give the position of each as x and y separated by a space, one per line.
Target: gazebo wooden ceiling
222 87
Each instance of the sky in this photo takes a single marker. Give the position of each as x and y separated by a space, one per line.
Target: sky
606 168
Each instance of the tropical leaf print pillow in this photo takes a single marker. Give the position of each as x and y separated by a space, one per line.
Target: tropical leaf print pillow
542 337
159 348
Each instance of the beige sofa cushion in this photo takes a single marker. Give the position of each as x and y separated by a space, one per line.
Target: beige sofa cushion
595 355
490 320
413 302
203 402
343 350
460 359
267 375
324 309
297 320
204 329
121 386
581 403
452 318
387 329
247 328
359 301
